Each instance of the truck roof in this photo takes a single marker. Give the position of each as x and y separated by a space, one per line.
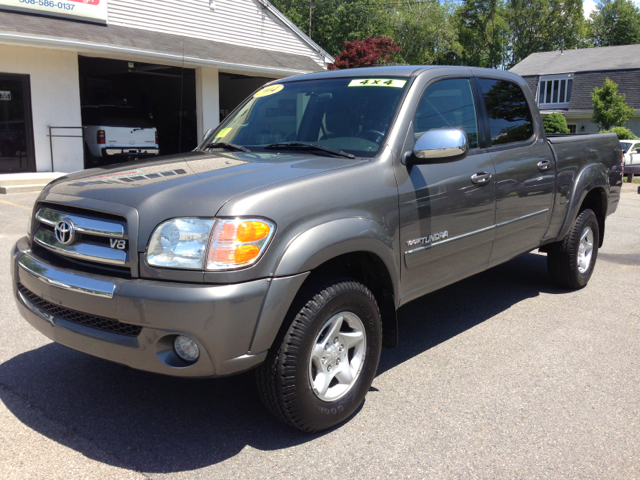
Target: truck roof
396 71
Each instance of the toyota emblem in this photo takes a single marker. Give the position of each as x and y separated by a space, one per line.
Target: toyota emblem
65 232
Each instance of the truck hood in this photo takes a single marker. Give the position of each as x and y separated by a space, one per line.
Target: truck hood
192 184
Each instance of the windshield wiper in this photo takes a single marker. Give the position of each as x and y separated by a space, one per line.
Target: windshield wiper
228 146
310 146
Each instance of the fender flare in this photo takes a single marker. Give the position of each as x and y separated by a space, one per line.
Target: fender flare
311 249
592 176
326 241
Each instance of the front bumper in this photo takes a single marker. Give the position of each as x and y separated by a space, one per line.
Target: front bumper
221 318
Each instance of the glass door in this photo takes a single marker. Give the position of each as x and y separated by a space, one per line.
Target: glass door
16 130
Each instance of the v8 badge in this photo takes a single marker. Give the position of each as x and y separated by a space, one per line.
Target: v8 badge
118 244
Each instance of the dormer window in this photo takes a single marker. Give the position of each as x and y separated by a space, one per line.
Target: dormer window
555 91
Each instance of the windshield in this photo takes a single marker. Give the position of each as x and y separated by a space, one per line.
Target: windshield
625 146
352 115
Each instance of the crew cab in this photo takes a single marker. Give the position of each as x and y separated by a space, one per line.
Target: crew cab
287 240
116 134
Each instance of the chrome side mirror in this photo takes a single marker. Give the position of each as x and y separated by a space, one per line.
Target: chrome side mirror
207 134
440 144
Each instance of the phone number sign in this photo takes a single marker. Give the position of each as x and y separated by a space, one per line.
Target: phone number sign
94 10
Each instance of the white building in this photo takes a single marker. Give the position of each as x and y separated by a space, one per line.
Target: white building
187 63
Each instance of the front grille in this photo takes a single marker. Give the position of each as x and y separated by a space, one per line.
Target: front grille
94 237
88 320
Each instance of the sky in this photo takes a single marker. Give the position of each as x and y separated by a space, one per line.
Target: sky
589 5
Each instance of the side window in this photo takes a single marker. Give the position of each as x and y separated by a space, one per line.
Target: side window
448 104
508 112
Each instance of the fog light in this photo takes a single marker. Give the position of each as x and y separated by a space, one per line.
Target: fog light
186 348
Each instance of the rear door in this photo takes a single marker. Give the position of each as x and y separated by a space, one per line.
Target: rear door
525 169
446 220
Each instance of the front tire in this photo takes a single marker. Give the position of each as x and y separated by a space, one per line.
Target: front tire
320 369
571 261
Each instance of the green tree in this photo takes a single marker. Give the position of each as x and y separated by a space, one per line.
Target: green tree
609 107
615 22
622 133
334 22
425 31
482 32
555 123
542 26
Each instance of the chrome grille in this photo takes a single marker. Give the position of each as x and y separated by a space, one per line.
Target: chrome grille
96 239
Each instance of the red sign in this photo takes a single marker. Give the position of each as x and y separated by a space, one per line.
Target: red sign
90 2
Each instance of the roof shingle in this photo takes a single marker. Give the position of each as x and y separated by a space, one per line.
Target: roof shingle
580 60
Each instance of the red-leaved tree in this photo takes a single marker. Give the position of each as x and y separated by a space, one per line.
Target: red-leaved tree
365 53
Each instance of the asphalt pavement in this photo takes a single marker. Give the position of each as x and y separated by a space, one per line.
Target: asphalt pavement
501 375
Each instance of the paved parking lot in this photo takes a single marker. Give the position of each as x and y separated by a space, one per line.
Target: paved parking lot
499 376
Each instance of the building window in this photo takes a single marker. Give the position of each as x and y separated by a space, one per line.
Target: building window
555 91
572 128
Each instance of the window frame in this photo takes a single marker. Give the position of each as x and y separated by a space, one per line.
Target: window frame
477 107
549 80
522 143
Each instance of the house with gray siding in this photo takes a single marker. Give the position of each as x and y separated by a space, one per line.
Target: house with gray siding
562 81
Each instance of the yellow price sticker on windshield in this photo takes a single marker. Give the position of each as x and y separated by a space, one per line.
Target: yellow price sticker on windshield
266 91
377 82
223 133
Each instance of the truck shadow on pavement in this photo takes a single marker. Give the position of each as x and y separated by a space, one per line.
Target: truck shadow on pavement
156 424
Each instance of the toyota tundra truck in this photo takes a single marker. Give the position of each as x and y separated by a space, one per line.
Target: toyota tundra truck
288 239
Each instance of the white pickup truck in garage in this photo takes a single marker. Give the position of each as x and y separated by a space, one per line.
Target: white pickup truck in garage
114 134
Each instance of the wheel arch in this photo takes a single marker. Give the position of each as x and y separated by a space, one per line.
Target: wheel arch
596 200
355 247
349 236
590 191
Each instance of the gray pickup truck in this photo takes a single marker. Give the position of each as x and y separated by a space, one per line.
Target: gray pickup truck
290 237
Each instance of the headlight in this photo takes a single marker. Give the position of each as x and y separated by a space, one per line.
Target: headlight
196 243
180 243
238 243
29 224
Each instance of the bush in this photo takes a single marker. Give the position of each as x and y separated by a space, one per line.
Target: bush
609 107
622 133
366 53
555 123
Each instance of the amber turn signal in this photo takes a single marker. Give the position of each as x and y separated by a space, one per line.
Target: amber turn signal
238 242
245 253
249 232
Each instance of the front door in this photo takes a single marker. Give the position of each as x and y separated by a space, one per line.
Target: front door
446 219
16 137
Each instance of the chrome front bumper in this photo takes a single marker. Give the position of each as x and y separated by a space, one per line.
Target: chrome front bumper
221 318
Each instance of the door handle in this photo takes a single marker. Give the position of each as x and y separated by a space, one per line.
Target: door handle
544 165
481 178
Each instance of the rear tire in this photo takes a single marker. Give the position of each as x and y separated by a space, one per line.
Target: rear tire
571 261
321 367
